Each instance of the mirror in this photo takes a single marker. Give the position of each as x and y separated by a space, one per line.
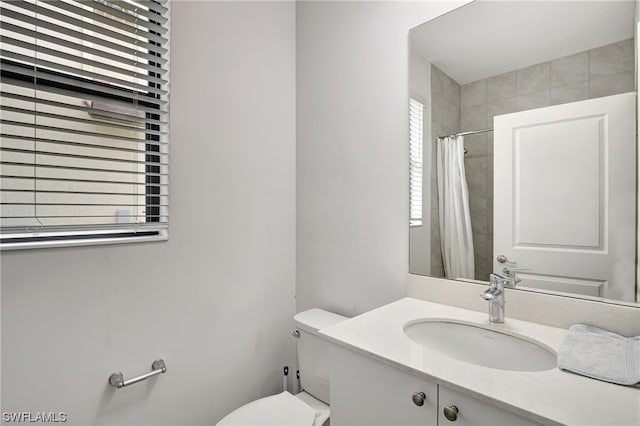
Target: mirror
523 146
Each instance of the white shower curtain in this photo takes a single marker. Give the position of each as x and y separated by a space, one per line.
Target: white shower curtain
456 238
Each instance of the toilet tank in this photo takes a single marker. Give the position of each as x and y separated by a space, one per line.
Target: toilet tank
313 351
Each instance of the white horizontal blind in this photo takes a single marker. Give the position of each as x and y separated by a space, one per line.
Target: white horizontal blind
84 114
415 162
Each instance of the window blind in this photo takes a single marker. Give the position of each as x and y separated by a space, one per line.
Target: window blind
84 111
415 162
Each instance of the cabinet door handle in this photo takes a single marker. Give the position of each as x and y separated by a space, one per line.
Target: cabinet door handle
451 413
418 398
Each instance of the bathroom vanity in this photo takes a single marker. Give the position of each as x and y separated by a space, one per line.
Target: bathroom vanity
382 376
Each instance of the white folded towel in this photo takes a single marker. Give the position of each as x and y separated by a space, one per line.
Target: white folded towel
601 355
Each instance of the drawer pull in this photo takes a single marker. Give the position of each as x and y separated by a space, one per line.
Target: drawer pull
418 398
451 413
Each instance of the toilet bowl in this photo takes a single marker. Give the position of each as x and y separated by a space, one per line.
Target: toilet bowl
309 407
283 409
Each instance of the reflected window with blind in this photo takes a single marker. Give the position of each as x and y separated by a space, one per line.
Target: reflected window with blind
84 138
416 110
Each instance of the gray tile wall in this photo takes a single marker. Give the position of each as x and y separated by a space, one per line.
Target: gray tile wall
445 119
604 71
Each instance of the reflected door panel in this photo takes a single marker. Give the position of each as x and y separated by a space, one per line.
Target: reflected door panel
564 196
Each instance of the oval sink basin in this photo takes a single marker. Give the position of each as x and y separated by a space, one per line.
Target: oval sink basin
480 346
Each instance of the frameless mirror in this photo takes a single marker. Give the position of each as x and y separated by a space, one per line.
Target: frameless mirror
523 146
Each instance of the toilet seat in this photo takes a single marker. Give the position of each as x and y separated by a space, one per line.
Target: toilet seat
283 409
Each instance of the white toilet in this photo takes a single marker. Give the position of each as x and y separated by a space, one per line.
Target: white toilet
309 407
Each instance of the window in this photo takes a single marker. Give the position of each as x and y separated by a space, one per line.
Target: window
415 162
84 103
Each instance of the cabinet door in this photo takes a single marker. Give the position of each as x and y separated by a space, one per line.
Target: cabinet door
369 392
476 413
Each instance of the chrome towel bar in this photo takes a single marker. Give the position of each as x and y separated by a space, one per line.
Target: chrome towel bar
117 379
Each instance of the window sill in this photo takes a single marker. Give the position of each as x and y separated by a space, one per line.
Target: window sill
73 239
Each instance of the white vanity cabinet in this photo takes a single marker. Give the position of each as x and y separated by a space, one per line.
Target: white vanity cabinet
369 392
471 412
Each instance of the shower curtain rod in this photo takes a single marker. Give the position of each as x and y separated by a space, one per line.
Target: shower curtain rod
471 132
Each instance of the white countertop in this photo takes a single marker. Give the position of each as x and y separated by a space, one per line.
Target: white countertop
551 396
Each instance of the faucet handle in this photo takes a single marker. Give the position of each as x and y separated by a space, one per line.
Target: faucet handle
509 273
507 270
497 282
496 277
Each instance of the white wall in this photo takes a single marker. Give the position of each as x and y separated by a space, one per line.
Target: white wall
352 151
216 300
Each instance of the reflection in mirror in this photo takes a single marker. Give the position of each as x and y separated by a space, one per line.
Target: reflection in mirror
523 146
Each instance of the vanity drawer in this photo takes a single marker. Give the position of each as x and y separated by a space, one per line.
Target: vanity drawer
470 411
368 392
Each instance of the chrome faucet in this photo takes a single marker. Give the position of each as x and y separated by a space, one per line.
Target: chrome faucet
495 295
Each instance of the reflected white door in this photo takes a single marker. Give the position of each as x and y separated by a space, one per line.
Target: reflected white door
564 196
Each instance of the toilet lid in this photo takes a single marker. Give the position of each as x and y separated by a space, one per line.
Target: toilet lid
282 409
